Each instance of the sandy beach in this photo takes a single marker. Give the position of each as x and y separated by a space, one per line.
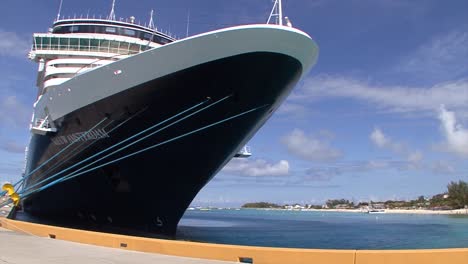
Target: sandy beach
398 211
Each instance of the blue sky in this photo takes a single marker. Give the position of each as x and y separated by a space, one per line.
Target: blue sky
383 115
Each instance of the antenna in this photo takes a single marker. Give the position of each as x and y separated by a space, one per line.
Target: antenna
151 26
112 13
59 10
188 23
276 11
151 22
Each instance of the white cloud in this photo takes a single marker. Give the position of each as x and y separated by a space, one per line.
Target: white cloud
441 62
383 141
378 138
309 147
12 147
442 167
391 98
357 168
11 44
292 109
13 112
256 168
415 157
322 174
455 134
442 58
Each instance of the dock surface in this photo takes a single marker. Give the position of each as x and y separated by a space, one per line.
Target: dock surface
24 242
21 248
4 210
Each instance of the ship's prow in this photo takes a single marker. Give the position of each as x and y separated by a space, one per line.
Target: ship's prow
130 123
181 54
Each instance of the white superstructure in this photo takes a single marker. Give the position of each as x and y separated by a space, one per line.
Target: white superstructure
77 45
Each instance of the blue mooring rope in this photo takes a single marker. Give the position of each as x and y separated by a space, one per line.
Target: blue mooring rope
113 146
54 156
73 175
65 159
138 140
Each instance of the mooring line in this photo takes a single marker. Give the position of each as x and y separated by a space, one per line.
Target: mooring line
74 175
111 147
54 156
58 153
73 153
151 134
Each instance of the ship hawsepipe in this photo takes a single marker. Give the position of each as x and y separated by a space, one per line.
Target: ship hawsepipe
247 70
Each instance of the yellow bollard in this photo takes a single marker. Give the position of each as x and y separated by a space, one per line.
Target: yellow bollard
15 198
8 187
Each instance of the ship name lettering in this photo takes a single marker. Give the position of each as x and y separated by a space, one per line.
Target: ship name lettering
80 137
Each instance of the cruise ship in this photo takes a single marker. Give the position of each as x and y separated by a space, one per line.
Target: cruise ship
130 123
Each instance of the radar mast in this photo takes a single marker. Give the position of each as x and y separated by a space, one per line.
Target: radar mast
112 12
277 12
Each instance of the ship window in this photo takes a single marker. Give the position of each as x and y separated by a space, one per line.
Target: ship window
124 46
38 42
73 44
94 43
84 44
129 32
64 43
104 45
74 29
110 29
114 46
87 29
134 48
58 30
53 43
147 36
46 43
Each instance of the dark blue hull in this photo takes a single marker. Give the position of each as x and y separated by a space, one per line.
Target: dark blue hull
148 193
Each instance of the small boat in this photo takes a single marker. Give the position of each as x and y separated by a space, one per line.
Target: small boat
376 211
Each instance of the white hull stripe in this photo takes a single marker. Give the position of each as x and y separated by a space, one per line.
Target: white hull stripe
102 82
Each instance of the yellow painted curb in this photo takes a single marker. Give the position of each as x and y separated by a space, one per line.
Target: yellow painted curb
257 255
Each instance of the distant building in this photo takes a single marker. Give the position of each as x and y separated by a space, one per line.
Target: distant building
342 206
378 205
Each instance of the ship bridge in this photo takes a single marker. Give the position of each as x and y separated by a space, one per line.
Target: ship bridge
77 45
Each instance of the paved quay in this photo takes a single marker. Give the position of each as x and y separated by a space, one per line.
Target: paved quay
4 210
20 248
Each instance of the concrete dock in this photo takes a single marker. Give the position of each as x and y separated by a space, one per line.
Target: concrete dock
4 210
16 247
23 248
24 242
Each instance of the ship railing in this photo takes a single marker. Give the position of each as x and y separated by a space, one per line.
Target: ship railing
42 126
88 44
244 152
128 21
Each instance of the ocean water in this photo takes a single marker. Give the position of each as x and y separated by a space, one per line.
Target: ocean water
324 230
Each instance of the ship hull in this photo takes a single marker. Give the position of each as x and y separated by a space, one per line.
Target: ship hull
147 194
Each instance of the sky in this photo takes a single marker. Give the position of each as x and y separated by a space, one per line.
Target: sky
382 115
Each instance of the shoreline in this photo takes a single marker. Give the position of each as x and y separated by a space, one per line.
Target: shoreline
399 211
387 211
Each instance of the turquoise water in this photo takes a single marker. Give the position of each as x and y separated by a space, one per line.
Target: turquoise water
324 230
